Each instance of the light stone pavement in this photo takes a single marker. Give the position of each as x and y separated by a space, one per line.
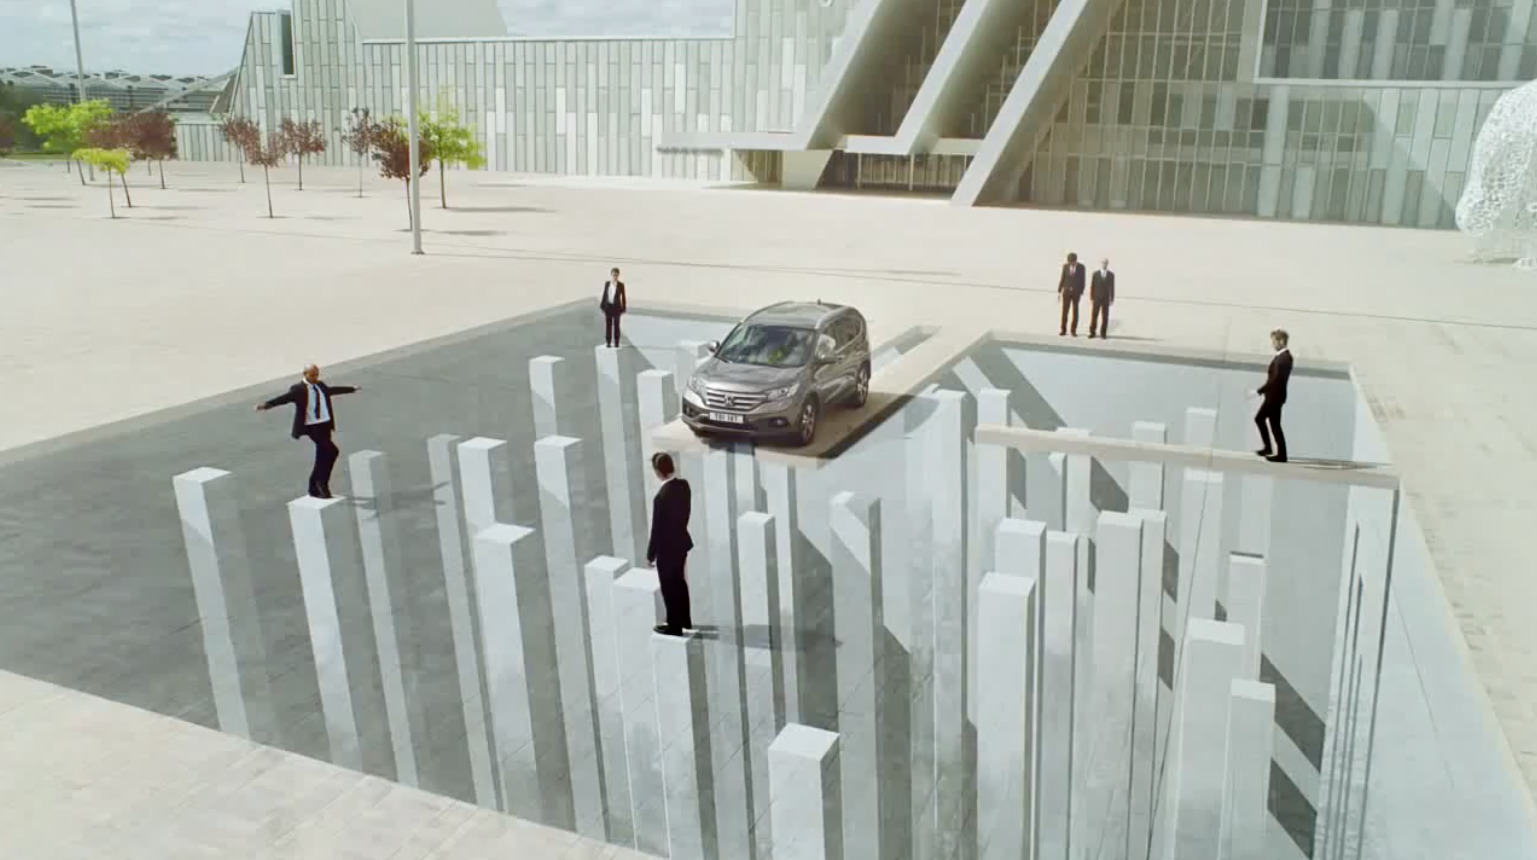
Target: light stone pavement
195 292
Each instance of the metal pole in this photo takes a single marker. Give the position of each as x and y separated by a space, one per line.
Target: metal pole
416 155
74 17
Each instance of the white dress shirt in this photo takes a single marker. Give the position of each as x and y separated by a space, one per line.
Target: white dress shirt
317 408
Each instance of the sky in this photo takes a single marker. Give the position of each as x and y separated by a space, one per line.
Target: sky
205 36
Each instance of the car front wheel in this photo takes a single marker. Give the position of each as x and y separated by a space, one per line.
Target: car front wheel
861 387
807 431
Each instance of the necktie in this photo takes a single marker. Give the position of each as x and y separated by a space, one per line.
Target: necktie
316 395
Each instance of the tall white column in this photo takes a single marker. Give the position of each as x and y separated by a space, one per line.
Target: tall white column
1200 427
637 608
1246 793
854 521
1059 593
1209 664
992 478
325 551
1020 550
806 815
568 547
1254 506
1118 554
1245 603
1006 708
1046 489
657 404
521 675
683 724
599 578
690 354
461 616
621 451
1080 515
723 603
1200 544
758 551
226 603
373 505
1149 703
744 469
485 473
552 382
1146 479
948 523
783 503
921 459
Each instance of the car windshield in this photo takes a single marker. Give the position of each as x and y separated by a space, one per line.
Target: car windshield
767 346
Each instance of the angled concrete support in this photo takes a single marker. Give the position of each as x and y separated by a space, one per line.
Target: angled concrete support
971 52
600 577
807 811
637 607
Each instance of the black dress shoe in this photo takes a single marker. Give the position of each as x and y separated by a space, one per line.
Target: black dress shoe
1263 453
1276 458
667 631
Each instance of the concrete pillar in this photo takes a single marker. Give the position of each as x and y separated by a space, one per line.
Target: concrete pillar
1254 505
722 604
621 451
599 578
568 547
1006 766
917 634
1149 699
683 724
1118 552
1046 489
1020 548
373 505
783 504
856 539
461 616
1021 552
552 382
637 608
744 468
1058 593
992 478
519 645
1210 662
947 439
1246 794
1245 603
1200 428
763 690
690 354
226 604
325 551
485 473
1200 544
1146 479
657 404
807 810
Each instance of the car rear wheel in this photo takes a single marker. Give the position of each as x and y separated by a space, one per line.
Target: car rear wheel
861 387
807 429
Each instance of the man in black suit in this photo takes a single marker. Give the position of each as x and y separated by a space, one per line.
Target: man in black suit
1069 291
1101 297
670 544
1274 393
613 304
314 417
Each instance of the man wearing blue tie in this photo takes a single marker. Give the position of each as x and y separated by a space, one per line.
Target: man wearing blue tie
313 417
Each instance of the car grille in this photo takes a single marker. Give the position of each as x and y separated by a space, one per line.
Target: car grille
733 401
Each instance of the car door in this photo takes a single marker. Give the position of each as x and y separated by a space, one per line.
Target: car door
826 376
845 332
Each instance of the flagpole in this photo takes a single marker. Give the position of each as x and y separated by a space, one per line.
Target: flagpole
416 155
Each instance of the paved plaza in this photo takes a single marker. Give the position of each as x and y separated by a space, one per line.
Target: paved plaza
194 294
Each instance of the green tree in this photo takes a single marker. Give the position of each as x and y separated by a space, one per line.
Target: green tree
451 143
111 161
64 128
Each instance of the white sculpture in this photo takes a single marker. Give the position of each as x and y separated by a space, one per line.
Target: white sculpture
1498 207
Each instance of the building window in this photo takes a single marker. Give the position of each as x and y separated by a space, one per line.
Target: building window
286 40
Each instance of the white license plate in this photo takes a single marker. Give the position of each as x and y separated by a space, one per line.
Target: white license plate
725 418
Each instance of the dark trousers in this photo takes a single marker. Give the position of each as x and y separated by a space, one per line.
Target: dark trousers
669 574
610 329
1070 305
1099 318
326 453
1268 419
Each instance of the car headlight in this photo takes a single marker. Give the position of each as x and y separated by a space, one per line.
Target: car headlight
780 393
695 384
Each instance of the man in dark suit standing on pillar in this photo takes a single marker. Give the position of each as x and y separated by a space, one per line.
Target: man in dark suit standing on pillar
613 304
1101 297
1273 392
1069 292
313 417
670 544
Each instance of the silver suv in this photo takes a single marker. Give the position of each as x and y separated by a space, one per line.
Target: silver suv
777 371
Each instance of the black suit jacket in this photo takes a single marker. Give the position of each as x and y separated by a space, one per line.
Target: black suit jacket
669 521
1277 377
1102 287
616 302
1071 284
299 395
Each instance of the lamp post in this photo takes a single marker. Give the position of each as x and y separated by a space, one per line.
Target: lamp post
416 154
74 17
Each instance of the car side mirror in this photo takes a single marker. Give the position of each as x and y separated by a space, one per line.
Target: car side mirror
824 355
713 346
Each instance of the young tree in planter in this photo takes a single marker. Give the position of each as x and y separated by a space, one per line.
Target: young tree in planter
152 137
238 132
301 139
114 136
451 142
392 149
359 138
266 154
110 161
